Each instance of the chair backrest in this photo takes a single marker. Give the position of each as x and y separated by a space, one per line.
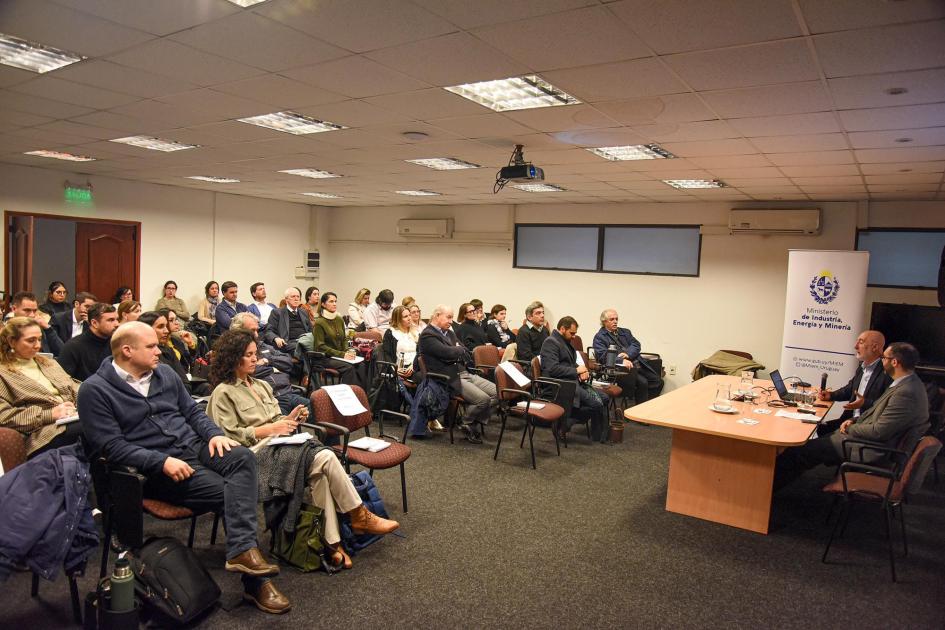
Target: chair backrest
373 335
325 410
12 448
486 355
577 344
504 381
740 353
913 475
536 367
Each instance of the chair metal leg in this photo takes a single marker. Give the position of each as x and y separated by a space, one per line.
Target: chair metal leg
892 554
403 485
902 524
833 531
76 604
833 508
34 587
554 432
498 442
213 532
531 444
193 531
521 444
846 517
106 544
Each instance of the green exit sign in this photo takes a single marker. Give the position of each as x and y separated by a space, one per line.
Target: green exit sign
80 195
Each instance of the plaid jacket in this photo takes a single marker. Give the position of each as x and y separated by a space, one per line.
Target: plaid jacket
27 406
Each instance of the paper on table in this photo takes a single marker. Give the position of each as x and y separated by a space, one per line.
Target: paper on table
344 400
68 419
797 416
353 361
295 438
512 370
373 445
534 405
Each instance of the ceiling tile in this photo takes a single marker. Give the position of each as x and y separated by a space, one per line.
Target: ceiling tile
842 15
54 25
885 49
427 104
22 119
613 81
159 18
898 138
772 100
354 113
111 76
731 161
488 125
566 118
671 26
40 106
216 104
746 66
449 60
167 116
175 60
11 76
904 178
916 154
355 76
258 41
279 92
78 129
808 142
903 167
468 15
836 180
681 132
358 26
581 37
76 93
822 122
742 173
881 118
923 86
812 158
823 170
663 109
713 147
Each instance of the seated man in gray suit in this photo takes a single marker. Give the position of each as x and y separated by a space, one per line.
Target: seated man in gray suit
897 419
868 383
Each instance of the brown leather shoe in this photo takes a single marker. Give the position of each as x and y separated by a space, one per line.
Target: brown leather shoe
268 599
252 562
363 521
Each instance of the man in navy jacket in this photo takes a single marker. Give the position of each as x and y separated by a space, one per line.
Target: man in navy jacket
137 412
628 356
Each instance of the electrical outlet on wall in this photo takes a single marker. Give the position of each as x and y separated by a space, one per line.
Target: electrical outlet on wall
671 370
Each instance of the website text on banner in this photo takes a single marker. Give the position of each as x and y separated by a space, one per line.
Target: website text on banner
823 314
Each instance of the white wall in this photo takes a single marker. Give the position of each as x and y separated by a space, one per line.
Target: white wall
187 235
737 302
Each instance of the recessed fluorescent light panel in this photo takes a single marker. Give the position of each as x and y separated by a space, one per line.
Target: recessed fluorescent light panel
444 164
154 144
215 180
310 172
59 155
290 122
417 193
633 152
246 3
539 187
516 93
322 195
25 55
694 183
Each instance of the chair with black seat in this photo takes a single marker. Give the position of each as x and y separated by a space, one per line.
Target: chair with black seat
394 455
891 486
545 414
120 494
612 390
13 454
486 358
319 373
564 397
457 404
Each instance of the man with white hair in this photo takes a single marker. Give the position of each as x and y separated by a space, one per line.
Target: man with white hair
443 353
628 356
868 382
136 412
288 323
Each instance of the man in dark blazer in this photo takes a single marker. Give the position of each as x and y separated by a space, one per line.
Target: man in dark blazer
288 323
443 353
559 360
860 392
897 419
68 324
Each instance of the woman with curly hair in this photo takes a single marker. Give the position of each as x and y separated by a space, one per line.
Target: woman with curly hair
246 410
34 391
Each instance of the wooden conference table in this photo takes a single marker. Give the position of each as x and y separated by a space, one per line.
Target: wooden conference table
720 470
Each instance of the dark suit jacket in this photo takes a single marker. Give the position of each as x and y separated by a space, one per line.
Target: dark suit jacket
558 358
62 324
879 381
625 343
51 342
278 325
897 419
443 354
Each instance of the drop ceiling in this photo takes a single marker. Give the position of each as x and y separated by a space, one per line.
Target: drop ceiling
780 99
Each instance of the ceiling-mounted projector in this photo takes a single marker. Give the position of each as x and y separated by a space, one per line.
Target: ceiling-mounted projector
518 170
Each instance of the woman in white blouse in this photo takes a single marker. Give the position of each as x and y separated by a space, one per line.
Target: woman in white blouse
356 309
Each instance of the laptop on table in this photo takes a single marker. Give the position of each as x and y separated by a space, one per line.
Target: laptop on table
783 392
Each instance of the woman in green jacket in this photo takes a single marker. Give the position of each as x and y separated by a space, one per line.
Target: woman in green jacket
331 339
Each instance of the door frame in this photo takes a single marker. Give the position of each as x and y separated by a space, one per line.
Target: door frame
9 214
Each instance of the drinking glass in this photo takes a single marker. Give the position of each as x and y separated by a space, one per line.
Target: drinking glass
744 386
723 396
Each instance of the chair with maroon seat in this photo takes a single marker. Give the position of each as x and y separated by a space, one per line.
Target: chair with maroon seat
371 335
486 358
337 424
545 414
319 373
891 487
12 454
612 390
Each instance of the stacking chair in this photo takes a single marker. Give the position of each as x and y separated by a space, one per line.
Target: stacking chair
612 390
563 397
457 403
549 415
394 455
373 335
890 487
319 374
12 454
486 359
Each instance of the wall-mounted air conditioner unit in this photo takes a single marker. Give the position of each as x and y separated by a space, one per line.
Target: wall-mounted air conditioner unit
425 228
800 221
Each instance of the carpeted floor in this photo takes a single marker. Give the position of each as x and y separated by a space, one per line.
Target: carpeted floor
582 541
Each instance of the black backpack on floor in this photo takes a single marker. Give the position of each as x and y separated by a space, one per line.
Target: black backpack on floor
170 579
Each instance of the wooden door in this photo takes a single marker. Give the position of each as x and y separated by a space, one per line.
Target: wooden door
106 258
21 254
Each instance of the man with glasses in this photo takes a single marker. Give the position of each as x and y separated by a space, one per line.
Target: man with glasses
638 381
897 419
868 383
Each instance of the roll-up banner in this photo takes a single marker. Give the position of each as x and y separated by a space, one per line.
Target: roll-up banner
823 314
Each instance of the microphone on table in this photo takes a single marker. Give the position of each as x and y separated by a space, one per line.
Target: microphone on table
823 381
